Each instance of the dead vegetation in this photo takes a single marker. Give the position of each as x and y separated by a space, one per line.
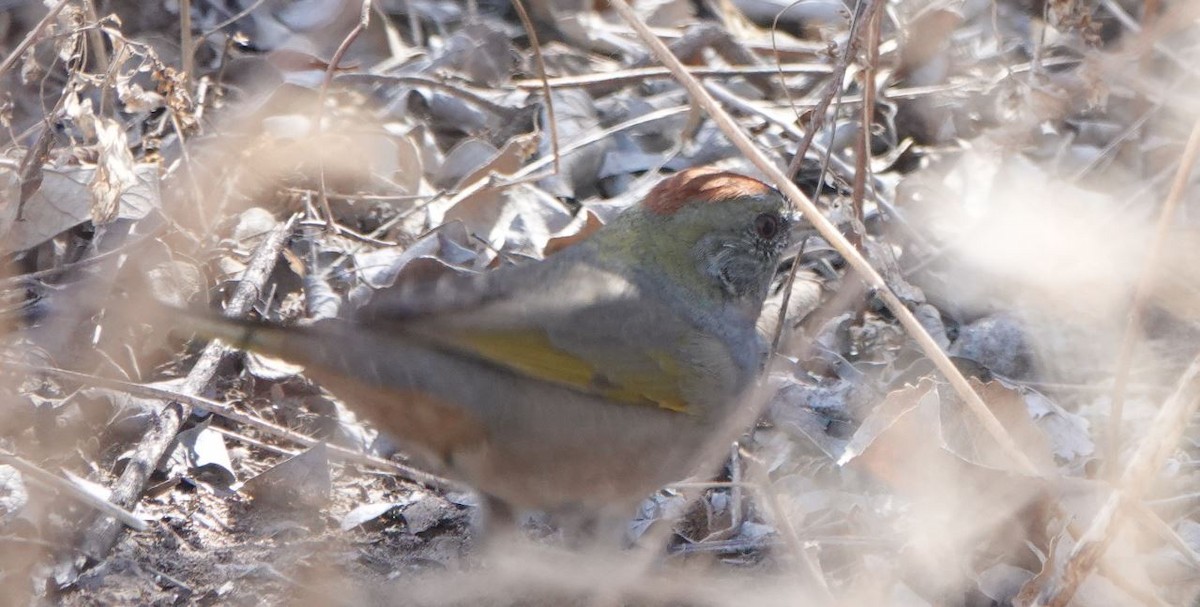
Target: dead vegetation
984 385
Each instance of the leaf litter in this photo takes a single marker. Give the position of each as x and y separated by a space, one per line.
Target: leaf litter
1017 162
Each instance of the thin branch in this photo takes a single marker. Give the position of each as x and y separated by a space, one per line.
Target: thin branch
817 116
1145 284
862 144
541 64
185 40
1163 437
639 75
74 491
1159 527
463 93
364 20
32 37
228 22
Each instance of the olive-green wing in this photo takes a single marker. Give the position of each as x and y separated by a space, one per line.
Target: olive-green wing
577 325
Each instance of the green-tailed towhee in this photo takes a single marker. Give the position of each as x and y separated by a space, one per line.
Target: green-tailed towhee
587 380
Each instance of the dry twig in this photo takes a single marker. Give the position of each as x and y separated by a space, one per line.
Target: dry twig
32 36
1164 433
226 411
1142 291
1162 438
103 532
73 491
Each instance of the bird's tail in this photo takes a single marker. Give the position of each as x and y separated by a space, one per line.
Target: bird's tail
295 344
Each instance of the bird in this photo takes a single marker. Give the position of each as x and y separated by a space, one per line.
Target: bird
583 382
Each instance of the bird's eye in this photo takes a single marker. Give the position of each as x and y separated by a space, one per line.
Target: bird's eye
766 226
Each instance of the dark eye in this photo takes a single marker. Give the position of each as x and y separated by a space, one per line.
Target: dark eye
766 226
